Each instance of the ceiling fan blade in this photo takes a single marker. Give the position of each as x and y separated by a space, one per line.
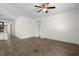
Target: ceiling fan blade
39 10
38 6
51 7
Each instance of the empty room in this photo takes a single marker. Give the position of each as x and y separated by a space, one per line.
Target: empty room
39 29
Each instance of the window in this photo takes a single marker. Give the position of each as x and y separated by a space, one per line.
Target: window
1 26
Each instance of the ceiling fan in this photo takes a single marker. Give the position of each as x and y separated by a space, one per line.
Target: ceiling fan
44 7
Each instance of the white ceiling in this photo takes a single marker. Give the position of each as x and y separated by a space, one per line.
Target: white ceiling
28 9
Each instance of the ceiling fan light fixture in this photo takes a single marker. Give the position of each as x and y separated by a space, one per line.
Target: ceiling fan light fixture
44 9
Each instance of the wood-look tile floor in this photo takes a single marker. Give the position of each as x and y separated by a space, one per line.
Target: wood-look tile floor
37 47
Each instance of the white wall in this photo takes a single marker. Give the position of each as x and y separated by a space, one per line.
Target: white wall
62 27
3 36
24 27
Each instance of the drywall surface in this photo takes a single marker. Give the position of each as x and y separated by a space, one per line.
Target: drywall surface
3 36
24 27
62 27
